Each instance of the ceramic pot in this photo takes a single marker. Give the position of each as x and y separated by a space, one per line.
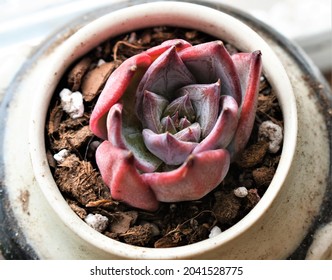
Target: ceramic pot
37 221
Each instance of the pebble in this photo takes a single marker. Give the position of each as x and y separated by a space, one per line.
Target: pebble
214 232
273 133
61 156
97 221
101 62
241 192
72 103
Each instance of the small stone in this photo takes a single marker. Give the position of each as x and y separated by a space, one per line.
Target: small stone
273 133
72 103
241 192
100 62
214 232
97 221
61 156
154 228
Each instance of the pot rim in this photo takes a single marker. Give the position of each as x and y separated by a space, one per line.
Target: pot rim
157 14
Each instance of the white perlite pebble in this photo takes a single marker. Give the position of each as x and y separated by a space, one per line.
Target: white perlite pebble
60 156
101 62
96 221
241 192
72 103
272 132
214 232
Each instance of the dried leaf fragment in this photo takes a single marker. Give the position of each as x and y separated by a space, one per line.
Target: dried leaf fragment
95 79
73 138
78 179
76 74
123 221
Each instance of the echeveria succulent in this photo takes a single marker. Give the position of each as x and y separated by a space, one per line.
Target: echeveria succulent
172 118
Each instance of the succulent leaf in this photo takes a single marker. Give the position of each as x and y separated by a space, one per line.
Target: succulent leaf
166 74
119 172
167 147
199 174
211 61
205 100
181 105
153 108
156 51
116 86
224 128
168 124
114 126
249 67
191 133
127 139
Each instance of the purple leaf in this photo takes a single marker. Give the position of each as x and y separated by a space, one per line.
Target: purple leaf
168 125
166 74
183 123
120 138
199 175
153 108
224 129
166 147
191 133
211 61
114 126
205 99
181 105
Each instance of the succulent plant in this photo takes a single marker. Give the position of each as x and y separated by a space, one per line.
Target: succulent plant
172 119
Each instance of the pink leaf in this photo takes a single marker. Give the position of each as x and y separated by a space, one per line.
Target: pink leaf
125 183
224 129
249 67
156 51
114 126
199 175
144 161
115 87
210 62
168 125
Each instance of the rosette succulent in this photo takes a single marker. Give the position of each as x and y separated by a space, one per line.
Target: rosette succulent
172 118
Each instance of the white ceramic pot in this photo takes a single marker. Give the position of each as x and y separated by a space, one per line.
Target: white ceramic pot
47 228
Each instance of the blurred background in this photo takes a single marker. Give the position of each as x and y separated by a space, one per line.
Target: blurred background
25 24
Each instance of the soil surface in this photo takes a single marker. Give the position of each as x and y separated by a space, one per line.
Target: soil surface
174 224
